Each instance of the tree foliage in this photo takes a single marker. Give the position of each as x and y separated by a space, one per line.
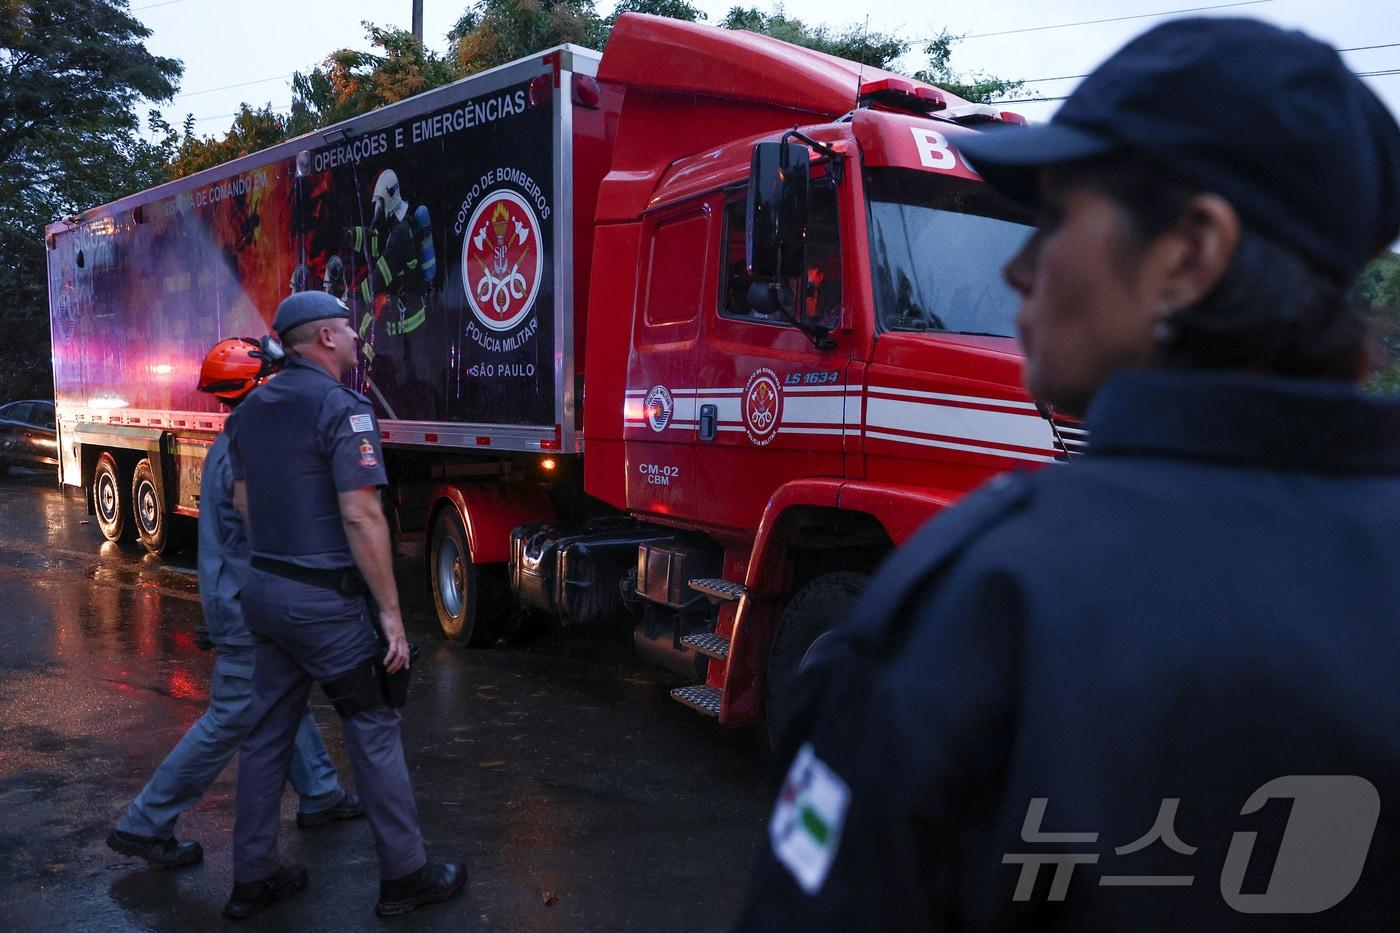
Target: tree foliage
854 43
1379 288
977 87
493 32
348 83
880 50
73 73
252 130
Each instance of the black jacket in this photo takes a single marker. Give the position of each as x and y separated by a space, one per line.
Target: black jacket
1206 603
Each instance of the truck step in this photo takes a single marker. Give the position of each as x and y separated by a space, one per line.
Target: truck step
717 588
699 697
709 644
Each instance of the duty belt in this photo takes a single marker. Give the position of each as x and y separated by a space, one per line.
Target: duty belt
346 580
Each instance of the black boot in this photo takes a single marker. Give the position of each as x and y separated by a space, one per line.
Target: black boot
249 897
160 853
427 885
348 808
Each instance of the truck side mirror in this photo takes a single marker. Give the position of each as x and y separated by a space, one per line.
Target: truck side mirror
776 213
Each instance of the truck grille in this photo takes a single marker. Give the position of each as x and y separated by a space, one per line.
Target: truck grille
1071 437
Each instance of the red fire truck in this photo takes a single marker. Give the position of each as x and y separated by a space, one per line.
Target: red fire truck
691 334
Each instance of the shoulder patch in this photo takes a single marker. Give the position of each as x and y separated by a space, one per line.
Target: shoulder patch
362 423
805 830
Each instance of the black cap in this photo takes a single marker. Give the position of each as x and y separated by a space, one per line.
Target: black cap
1272 120
307 306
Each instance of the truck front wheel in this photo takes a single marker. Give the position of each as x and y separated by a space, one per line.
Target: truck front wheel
811 613
463 593
110 500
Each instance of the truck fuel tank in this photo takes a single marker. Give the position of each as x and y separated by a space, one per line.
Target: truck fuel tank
576 573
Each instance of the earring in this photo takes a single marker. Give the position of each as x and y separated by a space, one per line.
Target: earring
1165 331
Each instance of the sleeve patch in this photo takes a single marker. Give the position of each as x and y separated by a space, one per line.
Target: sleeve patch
806 825
367 459
359 424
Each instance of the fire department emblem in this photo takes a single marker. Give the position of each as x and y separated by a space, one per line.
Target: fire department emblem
502 260
763 406
659 407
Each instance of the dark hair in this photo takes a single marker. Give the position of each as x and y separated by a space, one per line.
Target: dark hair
1272 310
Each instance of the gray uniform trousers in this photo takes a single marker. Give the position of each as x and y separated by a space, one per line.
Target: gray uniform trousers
309 633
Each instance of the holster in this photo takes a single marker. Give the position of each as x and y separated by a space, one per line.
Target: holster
357 690
368 686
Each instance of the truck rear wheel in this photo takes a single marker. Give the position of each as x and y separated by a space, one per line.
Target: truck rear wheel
464 594
110 499
152 519
811 613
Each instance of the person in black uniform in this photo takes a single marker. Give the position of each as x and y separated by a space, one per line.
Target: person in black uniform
1156 688
307 468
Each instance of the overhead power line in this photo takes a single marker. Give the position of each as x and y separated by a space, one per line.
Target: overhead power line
1358 48
152 6
1115 19
1046 100
227 116
228 87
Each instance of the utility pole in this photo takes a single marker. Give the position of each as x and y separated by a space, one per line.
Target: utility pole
418 21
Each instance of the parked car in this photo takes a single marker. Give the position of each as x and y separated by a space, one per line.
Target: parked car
27 436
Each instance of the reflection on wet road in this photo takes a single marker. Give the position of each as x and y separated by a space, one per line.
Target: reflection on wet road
580 796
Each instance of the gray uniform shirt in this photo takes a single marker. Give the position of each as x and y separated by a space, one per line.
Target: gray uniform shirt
223 551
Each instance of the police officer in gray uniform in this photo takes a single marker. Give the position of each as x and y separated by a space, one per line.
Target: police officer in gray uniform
307 466
231 370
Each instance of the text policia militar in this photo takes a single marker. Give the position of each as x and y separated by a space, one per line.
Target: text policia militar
472 113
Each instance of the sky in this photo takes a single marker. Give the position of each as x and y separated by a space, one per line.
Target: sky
247 51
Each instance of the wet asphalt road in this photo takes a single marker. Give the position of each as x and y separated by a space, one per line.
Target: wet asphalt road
581 797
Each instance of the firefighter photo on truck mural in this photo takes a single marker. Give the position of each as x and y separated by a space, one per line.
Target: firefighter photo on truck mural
395 296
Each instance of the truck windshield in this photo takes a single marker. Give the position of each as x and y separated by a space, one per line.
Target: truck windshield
937 247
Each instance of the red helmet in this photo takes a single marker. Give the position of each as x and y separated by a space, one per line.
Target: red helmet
233 368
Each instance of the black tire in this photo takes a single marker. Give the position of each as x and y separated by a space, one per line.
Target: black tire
111 499
814 609
156 528
466 597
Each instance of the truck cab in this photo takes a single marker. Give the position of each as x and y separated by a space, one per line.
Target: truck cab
799 343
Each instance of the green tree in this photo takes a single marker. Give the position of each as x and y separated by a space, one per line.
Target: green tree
977 87
1379 288
73 74
854 43
880 50
672 9
349 83
493 32
252 130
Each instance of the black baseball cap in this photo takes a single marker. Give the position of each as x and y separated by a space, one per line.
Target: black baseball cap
1272 120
